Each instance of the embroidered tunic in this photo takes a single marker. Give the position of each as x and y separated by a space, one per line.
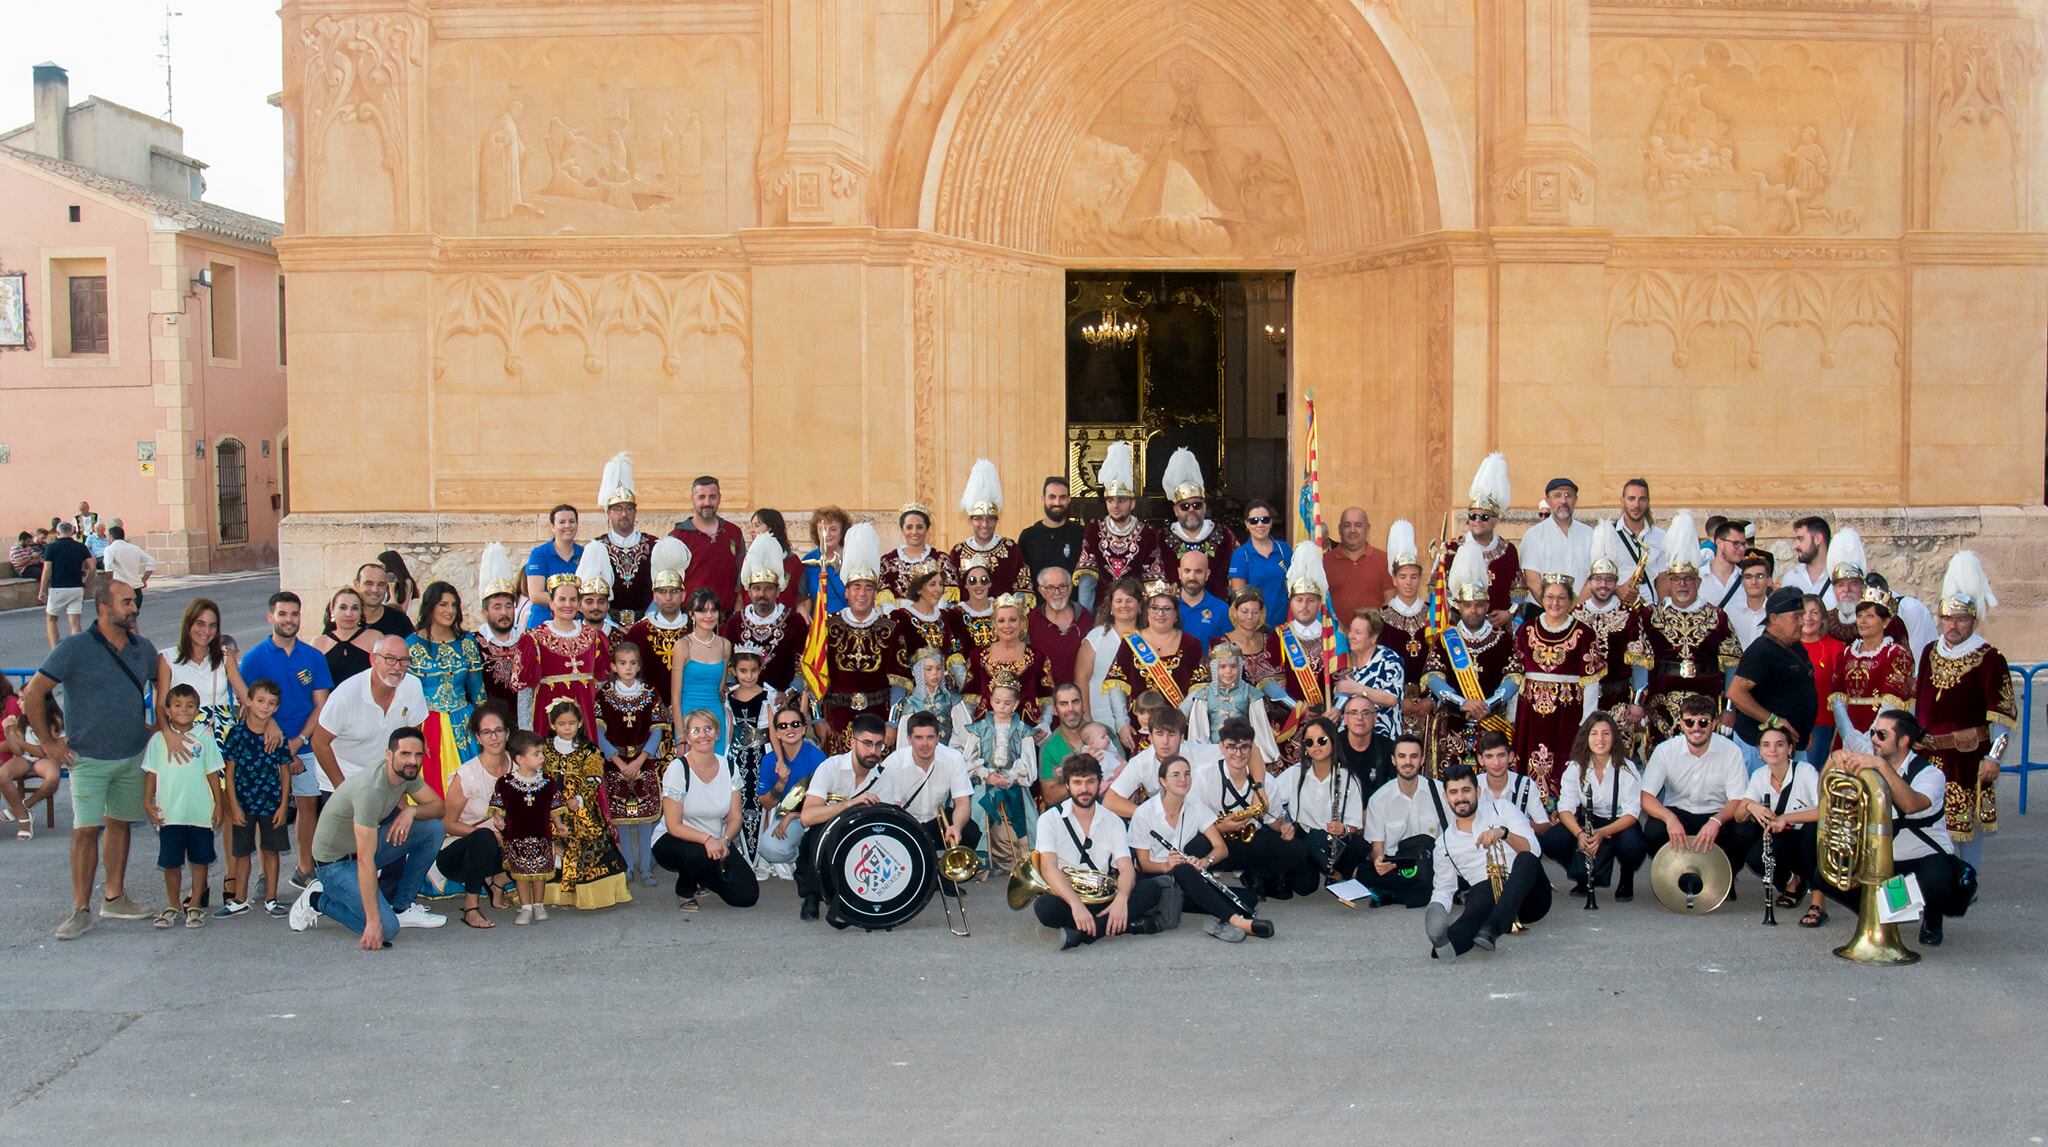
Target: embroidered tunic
1687 652
1959 695
1554 672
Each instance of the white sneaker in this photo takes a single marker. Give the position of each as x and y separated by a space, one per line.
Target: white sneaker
417 916
303 915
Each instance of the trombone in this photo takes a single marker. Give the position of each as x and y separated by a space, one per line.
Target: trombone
957 864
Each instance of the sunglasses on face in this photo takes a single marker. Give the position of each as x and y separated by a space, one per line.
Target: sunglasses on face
1880 735
1191 505
1258 521
789 724
978 581
1696 722
1479 517
1316 742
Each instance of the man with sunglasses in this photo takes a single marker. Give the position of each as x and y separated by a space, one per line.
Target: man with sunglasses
1490 495
1193 531
1693 790
1921 846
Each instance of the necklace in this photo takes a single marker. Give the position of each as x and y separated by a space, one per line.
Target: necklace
527 786
706 642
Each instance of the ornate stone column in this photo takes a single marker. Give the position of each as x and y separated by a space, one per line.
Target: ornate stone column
1542 170
813 165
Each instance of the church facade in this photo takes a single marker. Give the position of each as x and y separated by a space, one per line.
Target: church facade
1776 256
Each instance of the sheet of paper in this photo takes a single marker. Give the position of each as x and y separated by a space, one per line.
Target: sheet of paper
1349 891
1899 899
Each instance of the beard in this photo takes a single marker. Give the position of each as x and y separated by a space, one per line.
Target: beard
1463 808
1056 516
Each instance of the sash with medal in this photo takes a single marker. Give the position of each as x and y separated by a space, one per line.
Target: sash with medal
1467 672
1154 670
1305 674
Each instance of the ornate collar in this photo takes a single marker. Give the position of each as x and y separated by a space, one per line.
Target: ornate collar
1494 549
968 611
555 628
903 555
1407 610
1313 631
1971 644
1109 526
874 615
933 618
682 621
624 542
769 618
995 541
1485 630
1882 641
507 642
1697 605
1543 620
1208 527
1592 605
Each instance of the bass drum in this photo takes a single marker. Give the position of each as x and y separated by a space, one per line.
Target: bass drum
876 865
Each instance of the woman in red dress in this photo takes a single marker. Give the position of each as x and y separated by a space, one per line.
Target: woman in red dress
570 655
1556 663
1009 655
1873 673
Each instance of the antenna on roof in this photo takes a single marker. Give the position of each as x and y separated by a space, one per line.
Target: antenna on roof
165 56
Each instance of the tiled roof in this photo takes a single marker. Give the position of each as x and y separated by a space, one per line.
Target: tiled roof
196 214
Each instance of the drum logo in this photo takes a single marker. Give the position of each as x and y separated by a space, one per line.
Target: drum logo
877 869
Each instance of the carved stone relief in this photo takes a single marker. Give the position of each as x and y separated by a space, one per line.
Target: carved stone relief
356 105
589 309
1184 161
1748 137
596 136
1751 303
1983 127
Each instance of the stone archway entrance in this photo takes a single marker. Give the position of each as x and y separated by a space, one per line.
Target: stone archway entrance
1076 136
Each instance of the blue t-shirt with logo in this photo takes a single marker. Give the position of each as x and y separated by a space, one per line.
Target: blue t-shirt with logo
297 674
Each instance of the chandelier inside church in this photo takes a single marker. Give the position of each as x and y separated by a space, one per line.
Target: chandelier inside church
1112 329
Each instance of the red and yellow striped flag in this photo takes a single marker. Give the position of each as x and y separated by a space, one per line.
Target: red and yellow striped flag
817 675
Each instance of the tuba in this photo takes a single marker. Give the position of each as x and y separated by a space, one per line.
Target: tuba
1855 845
1091 886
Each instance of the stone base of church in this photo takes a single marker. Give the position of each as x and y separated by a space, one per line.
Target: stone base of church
1911 547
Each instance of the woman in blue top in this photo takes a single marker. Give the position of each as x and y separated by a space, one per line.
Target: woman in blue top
788 762
550 562
698 679
1261 562
828 527
449 664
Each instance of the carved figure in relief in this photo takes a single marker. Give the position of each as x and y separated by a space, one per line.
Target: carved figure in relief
1184 177
682 151
1807 176
500 180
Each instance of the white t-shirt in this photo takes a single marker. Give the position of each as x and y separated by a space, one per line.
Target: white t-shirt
1104 836
1547 549
1151 817
1571 791
1458 852
127 562
1746 622
1907 845
1696 784
1392 816
361 729
1805 782
1213 787
1519 792
923 794
1143 769
706 804
1307 798
835 775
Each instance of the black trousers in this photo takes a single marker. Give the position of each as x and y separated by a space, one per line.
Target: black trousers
1054 913
1734 838
731 880
1793 853
1202 896
1524 898
472 860
1413 877
1627 846
1303 878
1264 860
1937 874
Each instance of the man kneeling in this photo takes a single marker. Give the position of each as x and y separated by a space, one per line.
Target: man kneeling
364 838
1078 834
1460 857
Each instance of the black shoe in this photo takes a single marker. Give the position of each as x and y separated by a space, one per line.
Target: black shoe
1484 938
1930 935
1578 889
1626 892
833 918
810 909
1263 929
1069 938
1144 926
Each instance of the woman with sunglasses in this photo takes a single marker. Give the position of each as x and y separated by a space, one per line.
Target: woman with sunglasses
1260 562
1158 657
1326 802
977 609
788 763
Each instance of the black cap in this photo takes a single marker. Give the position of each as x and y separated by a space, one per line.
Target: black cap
1566 483
1784 599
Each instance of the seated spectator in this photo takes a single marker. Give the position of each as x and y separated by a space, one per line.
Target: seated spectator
26 557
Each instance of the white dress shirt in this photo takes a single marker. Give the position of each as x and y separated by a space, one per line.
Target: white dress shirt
1702 783
1104 836
127 562
1651 539
361 730
1930 783
1520 792
1797 577
1307 798
1571 791
1712 586
1151 817
835 775
925 793
1805 782
1746 622
1143 769
1213 787
1392 816
1458 852
1549 550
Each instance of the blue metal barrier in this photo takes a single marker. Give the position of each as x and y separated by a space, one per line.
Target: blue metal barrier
2027 764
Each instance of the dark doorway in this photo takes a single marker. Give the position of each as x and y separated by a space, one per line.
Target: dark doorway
1165 360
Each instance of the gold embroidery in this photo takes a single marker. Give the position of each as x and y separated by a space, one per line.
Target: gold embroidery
1946 673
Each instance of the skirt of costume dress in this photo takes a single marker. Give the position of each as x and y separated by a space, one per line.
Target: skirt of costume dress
593 874
744 755
529 856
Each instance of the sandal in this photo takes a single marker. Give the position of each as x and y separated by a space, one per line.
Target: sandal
479 914
1788 899
498 895
168 918
27 831
1815 916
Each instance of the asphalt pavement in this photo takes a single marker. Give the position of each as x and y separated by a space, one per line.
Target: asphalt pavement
639 1024
242 598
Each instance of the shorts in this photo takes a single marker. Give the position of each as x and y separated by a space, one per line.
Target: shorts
243 838
307 783
178 845
63 601
104 790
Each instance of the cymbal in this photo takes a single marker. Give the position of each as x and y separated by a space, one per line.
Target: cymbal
1711 879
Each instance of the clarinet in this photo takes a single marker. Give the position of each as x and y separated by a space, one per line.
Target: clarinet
1205 874
1586 823
1771 874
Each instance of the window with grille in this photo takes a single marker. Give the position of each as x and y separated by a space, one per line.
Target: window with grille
234 492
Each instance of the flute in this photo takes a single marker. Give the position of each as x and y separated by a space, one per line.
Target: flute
1205 874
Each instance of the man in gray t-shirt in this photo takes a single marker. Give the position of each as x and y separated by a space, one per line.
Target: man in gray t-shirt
368 830
105 727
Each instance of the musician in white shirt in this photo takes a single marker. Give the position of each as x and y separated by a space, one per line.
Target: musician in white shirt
1174 838
1693 786
1325 801
857 779
1168 739
1234 791
932 780
1606 825
1783 801
1079 834
1401 823
1461 851
1921 845
1499 784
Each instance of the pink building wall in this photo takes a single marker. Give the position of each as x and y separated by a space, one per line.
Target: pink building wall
72 427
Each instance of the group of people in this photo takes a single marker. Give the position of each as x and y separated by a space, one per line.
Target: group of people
1429 724
65 558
